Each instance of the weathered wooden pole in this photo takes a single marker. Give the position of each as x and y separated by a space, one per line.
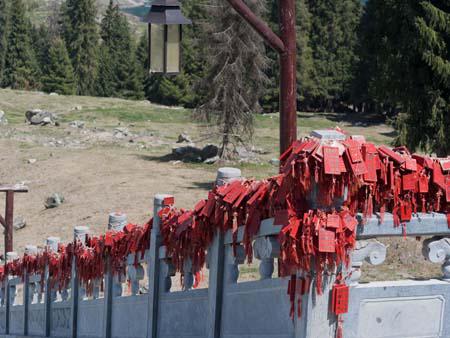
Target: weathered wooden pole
286 46
8 221
288 78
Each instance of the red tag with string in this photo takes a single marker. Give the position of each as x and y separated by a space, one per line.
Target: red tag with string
339 299
331 160
327 241
405 212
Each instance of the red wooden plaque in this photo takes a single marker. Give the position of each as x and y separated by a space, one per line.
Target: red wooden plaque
331 160
409 182
333 221
410 164
359 168
447 190
355 154
327 241
350 222
371 175
445 164
423 184
169 200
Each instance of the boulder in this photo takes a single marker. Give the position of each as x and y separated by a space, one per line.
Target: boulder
41 117
54 201
3 119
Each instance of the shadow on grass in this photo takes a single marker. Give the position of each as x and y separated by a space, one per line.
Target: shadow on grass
155 158
201 185
353 118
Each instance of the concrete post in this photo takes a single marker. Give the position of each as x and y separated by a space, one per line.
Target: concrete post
80 233
10 291
27 300
154 266
216 258
116 222
52 246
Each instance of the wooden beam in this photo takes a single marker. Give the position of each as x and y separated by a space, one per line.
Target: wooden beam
259 25
20 188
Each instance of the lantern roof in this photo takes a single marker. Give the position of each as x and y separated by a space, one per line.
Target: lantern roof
166 12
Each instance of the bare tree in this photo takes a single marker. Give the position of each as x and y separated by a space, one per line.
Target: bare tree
235 80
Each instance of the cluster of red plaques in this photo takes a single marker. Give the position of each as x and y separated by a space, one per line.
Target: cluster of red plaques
91 258
343 178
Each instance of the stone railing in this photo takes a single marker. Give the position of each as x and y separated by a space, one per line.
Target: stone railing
145 304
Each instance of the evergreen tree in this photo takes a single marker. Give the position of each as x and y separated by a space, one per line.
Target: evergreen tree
409 69
333 41
236 78
4 30
20 64
41 41
119 71
81 38
59 76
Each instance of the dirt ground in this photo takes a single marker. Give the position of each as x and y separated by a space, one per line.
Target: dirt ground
99 172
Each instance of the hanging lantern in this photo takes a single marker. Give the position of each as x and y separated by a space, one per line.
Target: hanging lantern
164 30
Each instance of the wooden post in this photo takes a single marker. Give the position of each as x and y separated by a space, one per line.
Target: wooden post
8 221
288 75
154 266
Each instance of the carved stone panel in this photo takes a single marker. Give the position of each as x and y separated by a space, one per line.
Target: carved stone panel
406 317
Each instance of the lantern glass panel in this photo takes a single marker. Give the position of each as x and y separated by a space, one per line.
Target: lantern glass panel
173 48
156 48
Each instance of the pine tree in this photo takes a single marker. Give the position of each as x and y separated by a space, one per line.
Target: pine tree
119 73
406 51
20 65
59 76
81 38
4 30
333 41
236 77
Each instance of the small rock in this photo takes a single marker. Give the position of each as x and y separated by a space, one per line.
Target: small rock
275 161
121 132
54 201
184 138
3 119
53 94
32 161
77 108
19 223
211 160
77 124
